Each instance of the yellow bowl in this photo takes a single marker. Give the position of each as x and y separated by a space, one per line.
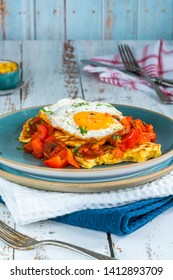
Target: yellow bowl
9 74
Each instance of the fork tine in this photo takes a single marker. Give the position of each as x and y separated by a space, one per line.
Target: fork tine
7 239
123 56
14 237
120 48
130 55
12 231
127 59
6 235
134 67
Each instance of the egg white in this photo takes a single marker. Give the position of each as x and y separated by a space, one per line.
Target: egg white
60 115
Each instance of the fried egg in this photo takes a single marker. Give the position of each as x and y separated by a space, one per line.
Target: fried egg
83 119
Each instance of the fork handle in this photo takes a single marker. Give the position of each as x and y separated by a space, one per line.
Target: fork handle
163 82
76 248
161 95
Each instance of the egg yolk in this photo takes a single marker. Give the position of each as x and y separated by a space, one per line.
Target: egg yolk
93 120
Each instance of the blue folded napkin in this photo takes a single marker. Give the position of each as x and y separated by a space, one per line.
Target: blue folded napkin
120 220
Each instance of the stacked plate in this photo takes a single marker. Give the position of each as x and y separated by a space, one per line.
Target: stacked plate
24 169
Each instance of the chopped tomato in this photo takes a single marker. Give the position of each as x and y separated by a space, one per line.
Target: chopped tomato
52 147
139 124
37 147
50 129
150 133
71 159
50 138
41 132
131 139
115 140
126 122
118 153
28 148
90 150
135 132
34 126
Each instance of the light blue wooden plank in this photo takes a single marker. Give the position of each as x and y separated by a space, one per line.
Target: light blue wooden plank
17 20
91 19
83 19
155 19
120 19
49 19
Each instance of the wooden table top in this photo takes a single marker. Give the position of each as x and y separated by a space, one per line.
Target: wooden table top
52 70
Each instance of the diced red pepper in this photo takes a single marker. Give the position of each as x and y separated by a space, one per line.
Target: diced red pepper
56 162
71 159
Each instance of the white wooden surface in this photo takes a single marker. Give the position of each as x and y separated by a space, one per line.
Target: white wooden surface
52 70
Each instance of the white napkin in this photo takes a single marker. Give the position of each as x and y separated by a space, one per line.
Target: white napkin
29 205
156 59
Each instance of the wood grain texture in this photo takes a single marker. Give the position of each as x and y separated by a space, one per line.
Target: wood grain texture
52 70
17 20
155 19
120 19
49 20
86 20
83 19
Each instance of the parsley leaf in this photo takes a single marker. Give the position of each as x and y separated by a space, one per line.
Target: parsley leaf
116 137
83 130
47 111
19 148
75 150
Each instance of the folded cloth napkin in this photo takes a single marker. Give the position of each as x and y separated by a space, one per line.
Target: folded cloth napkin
120 212
156 59
119 220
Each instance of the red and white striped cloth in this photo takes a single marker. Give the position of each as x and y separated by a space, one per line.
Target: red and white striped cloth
156 59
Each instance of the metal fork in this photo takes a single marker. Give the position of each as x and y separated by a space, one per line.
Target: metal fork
131 65
21 241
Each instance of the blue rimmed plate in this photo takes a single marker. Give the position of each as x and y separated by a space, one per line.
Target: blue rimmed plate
56 185
13 157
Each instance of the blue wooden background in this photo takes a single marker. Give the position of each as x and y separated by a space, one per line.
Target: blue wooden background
86 19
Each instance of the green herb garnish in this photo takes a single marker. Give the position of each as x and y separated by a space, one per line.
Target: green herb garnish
47 111
116 137
19 148
102 104
75 150
83 130
80 104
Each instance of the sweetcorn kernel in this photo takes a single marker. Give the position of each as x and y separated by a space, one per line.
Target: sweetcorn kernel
6 67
